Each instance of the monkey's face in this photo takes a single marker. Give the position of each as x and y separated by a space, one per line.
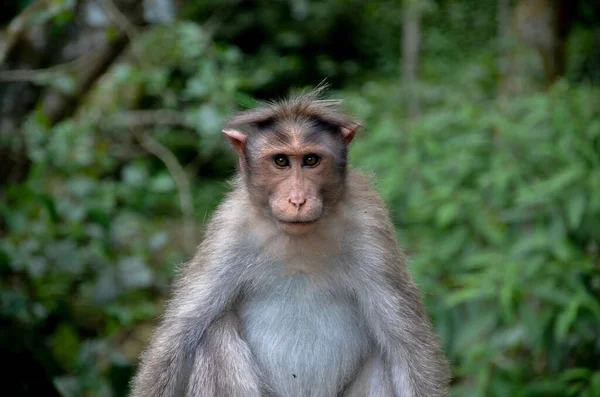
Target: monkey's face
296 174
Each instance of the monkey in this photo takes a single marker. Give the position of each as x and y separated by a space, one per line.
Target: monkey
299 287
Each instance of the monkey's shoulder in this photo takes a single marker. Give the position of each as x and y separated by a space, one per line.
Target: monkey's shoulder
370 219
363 199
361 186
231 211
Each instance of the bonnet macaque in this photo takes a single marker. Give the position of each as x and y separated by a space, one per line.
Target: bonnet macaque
299 288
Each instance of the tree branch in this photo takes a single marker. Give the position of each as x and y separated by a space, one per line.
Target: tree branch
17 26
144 118
33 75
183 184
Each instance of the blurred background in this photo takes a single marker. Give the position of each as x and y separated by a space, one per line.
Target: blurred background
482 129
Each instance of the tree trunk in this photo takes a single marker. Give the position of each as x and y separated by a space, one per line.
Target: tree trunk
411 43
83 51
505 59
543 26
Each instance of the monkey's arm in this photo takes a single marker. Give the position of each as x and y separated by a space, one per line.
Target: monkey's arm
224 364
202 295
400 325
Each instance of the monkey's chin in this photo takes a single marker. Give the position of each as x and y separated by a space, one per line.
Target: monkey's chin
297 228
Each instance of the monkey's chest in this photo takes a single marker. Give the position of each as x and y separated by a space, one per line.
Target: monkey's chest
307 342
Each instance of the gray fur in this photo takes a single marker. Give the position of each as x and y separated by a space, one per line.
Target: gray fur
290 320
224 365
332 314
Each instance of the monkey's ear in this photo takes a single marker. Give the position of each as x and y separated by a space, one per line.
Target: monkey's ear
349 132
236 139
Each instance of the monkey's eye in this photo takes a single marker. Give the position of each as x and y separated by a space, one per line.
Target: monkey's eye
310 160
281 160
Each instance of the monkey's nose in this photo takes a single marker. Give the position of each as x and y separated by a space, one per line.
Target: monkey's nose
297 201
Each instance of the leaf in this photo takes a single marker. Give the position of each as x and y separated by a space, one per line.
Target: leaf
65 343
566 319
68 386
162 183
158 241
80 186
575 209
576 374
134 273
540 192
64 83
464 296
36 266
135 174
595 384
106 288
209 118
244 100
451 244
447 213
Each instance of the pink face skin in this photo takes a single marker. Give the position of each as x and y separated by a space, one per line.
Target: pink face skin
292 179
296 203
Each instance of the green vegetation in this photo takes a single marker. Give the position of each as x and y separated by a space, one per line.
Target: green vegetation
496 197
500 207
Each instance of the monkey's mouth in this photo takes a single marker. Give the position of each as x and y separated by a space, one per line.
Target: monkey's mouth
298 222
297 228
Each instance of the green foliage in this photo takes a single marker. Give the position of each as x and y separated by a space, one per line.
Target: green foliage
499 205
94 232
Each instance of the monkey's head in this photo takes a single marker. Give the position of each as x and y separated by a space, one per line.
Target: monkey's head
293 155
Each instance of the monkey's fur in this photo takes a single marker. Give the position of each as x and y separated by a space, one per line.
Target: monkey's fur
269 307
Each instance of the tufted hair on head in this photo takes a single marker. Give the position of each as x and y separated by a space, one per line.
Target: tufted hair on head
307 105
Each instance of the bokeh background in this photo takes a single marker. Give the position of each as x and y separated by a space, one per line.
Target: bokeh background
481 128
